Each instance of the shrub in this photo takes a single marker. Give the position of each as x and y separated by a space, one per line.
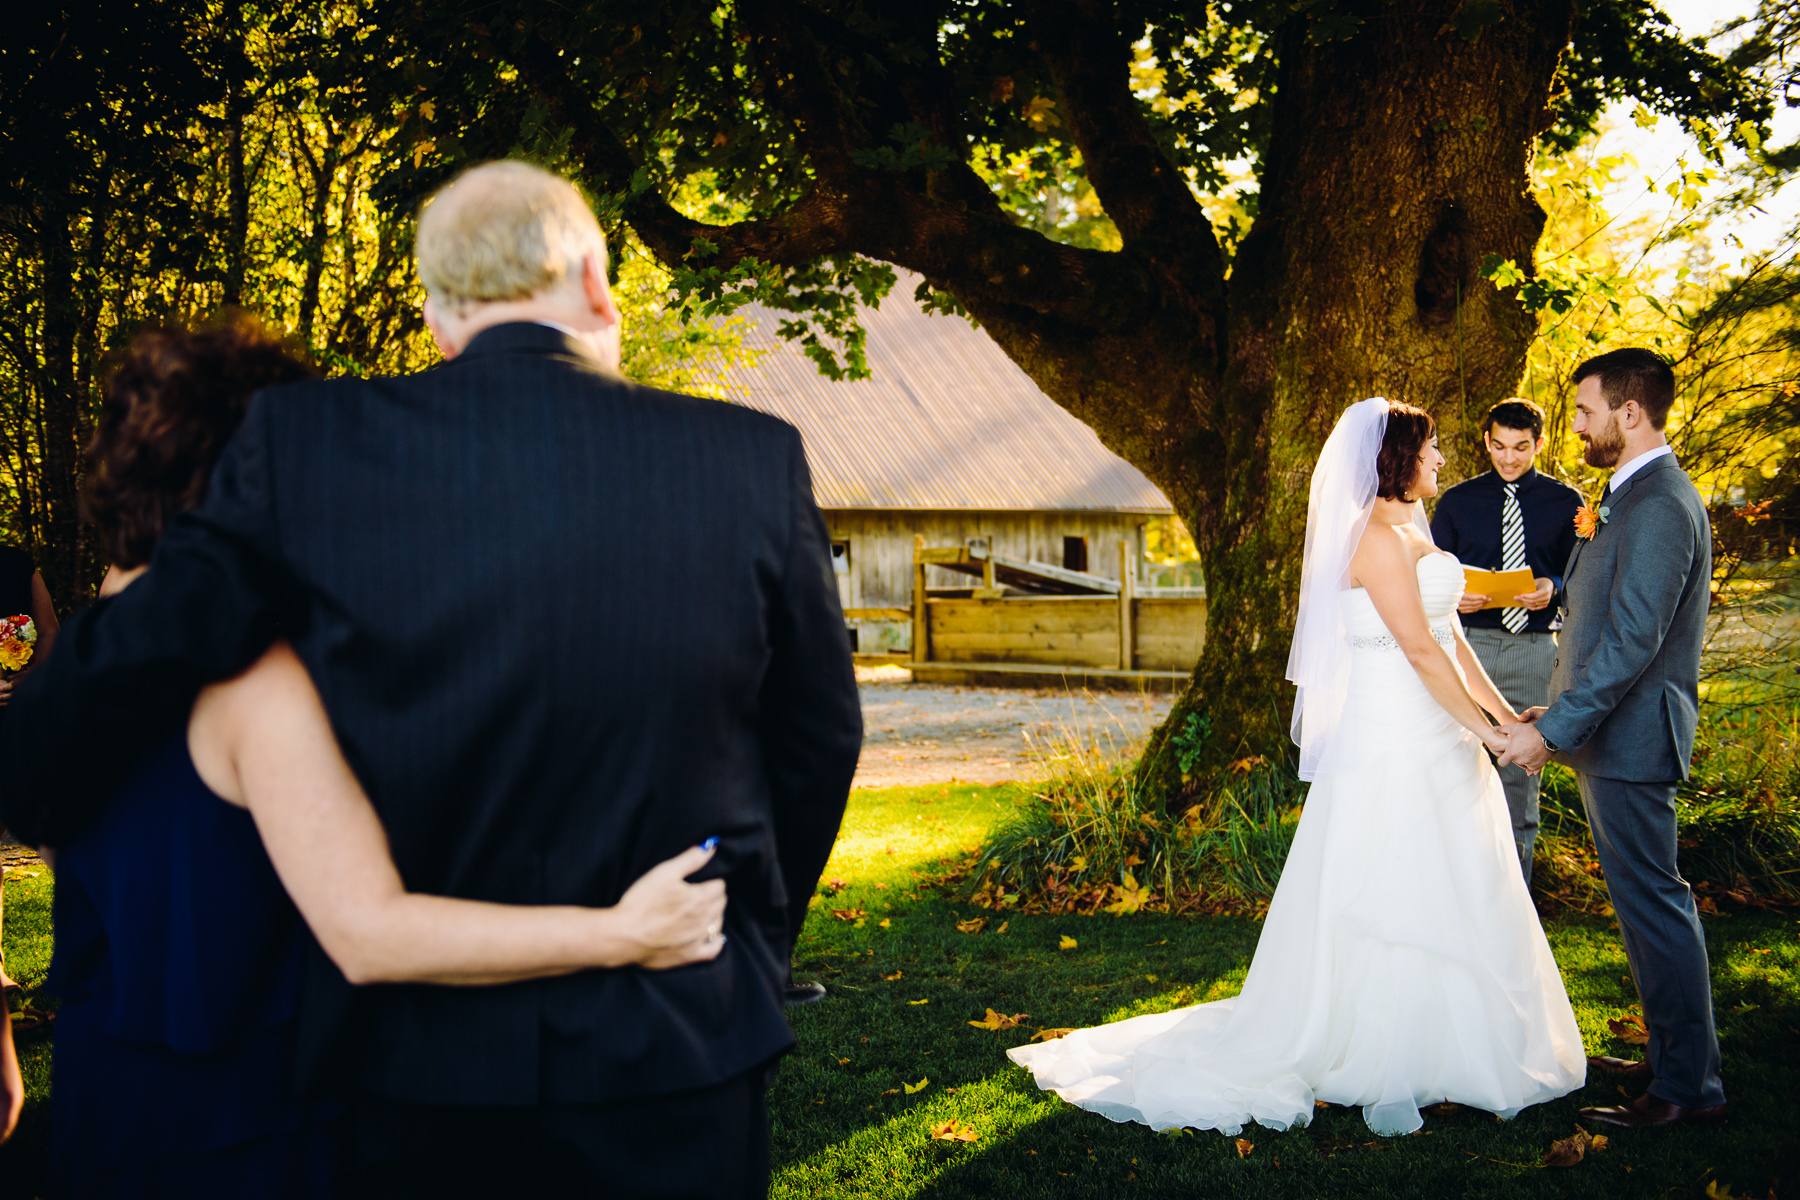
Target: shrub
1088 839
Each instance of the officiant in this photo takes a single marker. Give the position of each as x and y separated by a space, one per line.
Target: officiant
1510 518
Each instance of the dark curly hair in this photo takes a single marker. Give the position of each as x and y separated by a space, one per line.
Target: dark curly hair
1397 465
171 404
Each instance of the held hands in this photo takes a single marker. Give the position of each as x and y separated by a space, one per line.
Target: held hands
1524 744
675 922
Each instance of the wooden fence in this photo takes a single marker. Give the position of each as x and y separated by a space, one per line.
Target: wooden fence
1122 632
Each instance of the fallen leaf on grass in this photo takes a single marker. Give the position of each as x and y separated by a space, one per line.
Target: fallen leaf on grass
894 976
885 923
913 1089
1244 1148
1131 896
1050 1035
953 1131
1599 1143
891 1092
998 1021
927 1000
847 914
1003 926
971 926
1067 943
1629 1029
1566 1152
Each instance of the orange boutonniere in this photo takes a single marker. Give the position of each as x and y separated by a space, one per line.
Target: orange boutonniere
1589 520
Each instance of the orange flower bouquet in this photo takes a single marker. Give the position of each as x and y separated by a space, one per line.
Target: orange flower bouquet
18 641
1589 520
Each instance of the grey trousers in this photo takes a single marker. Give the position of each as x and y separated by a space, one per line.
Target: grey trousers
1634 831
1520 665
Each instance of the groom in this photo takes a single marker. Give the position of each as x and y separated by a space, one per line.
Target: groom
1624 701
565 627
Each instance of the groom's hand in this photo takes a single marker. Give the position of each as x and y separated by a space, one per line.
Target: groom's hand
1524 747
1533 713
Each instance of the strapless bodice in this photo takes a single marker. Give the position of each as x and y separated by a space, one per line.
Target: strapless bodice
1440 587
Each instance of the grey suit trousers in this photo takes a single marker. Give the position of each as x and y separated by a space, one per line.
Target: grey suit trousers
1519 664
1634 831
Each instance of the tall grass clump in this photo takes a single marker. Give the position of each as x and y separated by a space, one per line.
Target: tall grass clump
1737 817
1088 839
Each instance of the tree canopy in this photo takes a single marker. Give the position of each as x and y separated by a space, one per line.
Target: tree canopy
1202 228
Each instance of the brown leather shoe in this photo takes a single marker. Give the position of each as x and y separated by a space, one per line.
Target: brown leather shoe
1647 1110
1633 1070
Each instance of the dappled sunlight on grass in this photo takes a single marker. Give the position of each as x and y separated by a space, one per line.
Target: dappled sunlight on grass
903 998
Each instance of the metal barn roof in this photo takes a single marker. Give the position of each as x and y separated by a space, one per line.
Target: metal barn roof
946 422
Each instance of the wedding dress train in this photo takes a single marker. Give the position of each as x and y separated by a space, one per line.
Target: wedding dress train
1401 962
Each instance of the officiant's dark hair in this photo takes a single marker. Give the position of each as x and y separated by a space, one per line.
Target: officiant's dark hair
1397 465
172 402
1633 373
1517 413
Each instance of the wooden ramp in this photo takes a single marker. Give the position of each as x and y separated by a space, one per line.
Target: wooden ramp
998 572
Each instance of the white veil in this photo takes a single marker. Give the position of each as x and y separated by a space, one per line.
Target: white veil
1337 512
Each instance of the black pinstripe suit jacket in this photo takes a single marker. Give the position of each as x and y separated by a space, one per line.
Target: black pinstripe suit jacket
565 627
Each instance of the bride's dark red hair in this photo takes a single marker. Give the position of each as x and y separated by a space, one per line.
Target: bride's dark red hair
1397 464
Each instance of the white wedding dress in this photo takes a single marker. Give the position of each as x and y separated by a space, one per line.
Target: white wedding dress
1401 962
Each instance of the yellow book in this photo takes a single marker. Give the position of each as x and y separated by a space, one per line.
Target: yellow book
1498 586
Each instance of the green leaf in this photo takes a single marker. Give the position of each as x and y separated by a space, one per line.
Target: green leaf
1473 16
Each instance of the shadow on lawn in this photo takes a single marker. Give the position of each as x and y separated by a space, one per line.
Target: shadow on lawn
840 1136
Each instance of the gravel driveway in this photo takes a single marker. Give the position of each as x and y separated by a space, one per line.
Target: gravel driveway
916 733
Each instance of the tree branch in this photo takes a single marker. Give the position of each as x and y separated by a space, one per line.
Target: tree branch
1145 195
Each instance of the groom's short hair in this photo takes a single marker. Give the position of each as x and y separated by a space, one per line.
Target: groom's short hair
501 231
1633 374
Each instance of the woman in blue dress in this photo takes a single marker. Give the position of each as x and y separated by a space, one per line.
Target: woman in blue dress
178 950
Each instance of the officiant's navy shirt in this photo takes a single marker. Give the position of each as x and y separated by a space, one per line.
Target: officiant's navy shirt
1467 524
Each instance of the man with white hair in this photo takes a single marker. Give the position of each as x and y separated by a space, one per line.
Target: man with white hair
565 626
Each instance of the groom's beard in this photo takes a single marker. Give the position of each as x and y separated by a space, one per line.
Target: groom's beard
1603 448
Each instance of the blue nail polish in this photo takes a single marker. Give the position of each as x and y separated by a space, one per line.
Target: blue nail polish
709 843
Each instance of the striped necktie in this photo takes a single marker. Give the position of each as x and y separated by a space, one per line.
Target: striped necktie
1512 552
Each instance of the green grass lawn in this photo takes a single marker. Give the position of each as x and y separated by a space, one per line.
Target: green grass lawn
845 1125
905 983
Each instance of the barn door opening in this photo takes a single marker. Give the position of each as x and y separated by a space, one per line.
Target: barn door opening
1075 554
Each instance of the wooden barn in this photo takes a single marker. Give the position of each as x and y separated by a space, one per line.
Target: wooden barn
952 447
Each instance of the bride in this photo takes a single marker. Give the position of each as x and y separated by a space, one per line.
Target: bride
1401 962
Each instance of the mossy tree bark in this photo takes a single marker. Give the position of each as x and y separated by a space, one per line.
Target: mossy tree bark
1395 161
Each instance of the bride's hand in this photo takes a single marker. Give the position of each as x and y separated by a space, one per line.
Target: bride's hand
674 922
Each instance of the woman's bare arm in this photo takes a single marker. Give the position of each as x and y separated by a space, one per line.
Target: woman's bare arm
1386 566
263 741
1481 687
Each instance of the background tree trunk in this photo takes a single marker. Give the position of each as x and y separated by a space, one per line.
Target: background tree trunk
1359 278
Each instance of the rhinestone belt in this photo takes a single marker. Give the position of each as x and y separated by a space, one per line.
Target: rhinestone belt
1385 641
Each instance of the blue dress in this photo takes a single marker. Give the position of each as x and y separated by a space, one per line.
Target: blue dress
179 961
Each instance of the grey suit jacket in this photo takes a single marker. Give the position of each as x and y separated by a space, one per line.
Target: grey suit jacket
1624 694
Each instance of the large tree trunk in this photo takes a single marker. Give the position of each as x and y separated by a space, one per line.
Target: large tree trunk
1398 160
1360 278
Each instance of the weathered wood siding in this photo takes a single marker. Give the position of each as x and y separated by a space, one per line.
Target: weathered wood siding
1068 631
1169 633
881 545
